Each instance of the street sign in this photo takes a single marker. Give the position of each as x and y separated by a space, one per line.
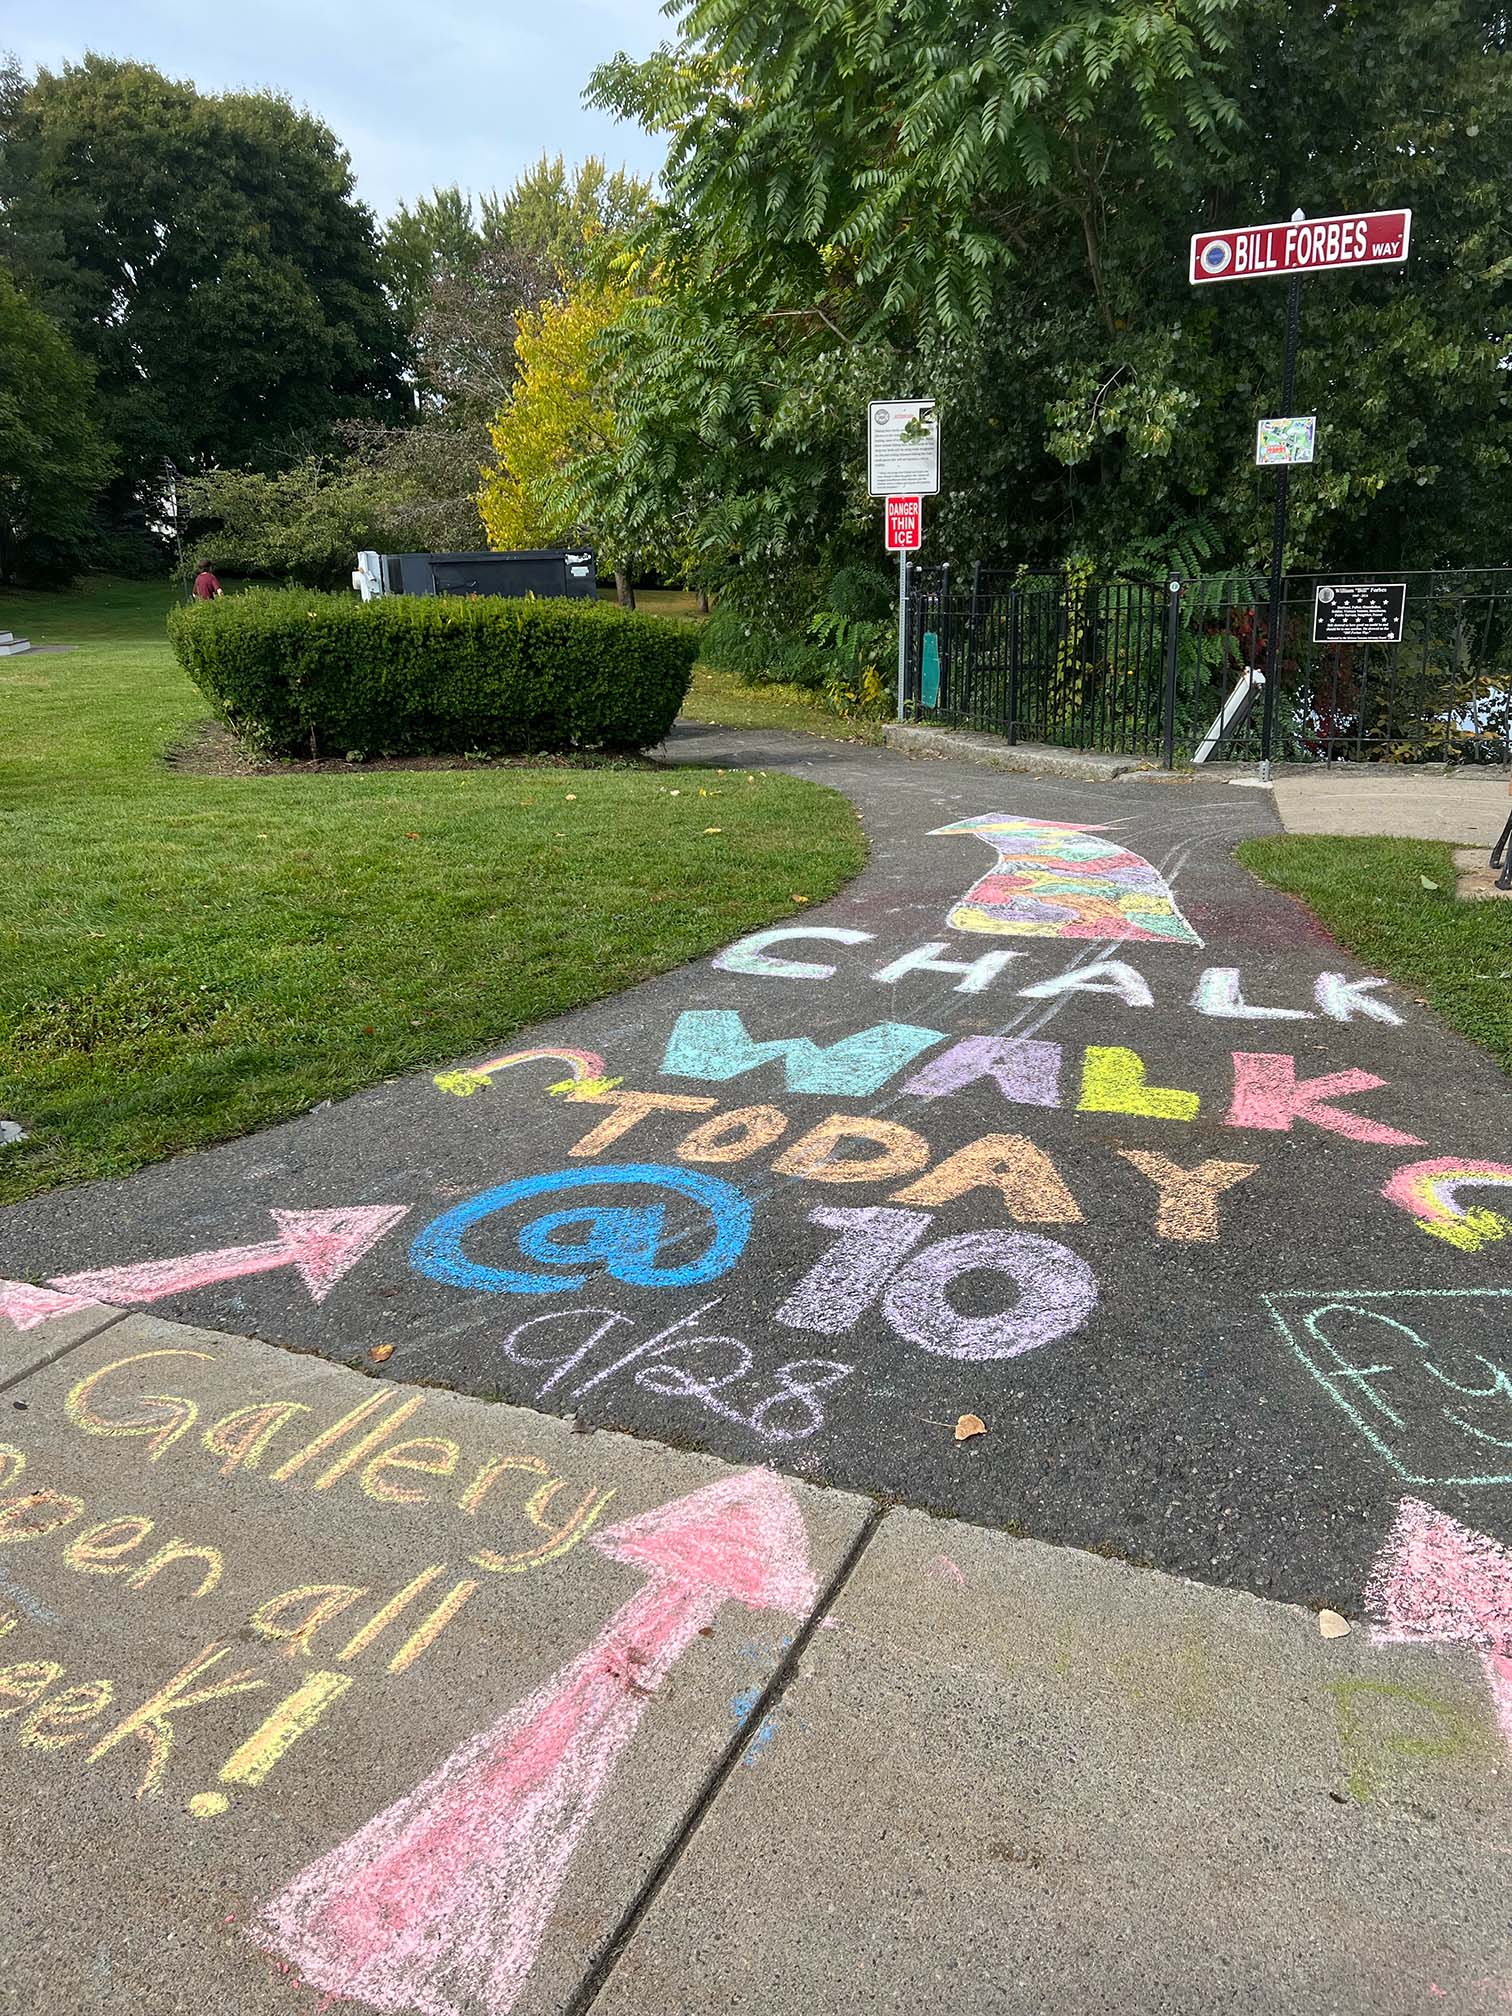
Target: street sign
903 448
1306 245
1359 612
904 518
1286 441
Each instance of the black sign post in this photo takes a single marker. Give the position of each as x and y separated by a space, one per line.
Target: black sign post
1265 251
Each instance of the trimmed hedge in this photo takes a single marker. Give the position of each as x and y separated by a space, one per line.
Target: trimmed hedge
297 673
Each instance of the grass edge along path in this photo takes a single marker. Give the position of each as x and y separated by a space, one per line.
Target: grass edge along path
1375 897
184 958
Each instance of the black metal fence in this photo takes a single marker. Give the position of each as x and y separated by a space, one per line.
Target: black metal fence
1171 669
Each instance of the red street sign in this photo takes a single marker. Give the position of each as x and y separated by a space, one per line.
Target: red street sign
905 524
1316 245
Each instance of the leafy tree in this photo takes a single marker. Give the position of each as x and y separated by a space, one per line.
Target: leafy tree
559 418
52 461
206 253
563 216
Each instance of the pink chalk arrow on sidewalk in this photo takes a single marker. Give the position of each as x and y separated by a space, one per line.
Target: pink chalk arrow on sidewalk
26 1306
440 1903
322 1245
1438 1582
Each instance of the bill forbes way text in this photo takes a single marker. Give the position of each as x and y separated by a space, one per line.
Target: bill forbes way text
1375 238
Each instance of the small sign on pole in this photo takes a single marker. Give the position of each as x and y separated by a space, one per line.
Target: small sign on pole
903 448
1359 612
1305 245
904 517
1286 441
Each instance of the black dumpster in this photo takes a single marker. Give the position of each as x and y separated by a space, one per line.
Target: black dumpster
551 570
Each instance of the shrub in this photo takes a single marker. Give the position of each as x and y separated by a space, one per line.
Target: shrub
755 650
298 673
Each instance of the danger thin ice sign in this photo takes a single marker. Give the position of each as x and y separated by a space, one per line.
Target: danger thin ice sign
1310 245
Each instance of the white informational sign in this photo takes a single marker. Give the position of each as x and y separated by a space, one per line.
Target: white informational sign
903 448
904 519
1280 442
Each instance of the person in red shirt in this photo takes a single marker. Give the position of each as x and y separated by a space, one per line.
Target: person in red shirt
206 587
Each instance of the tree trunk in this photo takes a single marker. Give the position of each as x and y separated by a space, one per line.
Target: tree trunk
703 601
624 594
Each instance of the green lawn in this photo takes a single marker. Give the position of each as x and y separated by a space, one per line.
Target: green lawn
1371 894
185 957
727 702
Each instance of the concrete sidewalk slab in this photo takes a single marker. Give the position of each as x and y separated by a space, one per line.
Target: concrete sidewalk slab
1016 1777
38 1325
437 1682
1397 803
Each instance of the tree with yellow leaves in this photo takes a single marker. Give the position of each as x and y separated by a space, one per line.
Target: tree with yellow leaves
558 420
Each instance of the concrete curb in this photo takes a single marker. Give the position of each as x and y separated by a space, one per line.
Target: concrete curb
1091 765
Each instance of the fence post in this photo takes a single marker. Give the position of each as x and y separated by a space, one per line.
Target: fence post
1173 649
1015 606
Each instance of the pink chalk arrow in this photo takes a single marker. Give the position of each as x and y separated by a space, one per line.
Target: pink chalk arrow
440 1903
323 1245
26 1306
1438 1582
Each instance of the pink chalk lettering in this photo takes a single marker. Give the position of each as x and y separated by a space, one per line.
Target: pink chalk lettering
26 1306
1437 1582
835 1293
321 1245
1269 1094
1025 1071
440 1903
1057 1293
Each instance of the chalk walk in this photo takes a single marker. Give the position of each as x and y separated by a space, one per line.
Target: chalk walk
1056 880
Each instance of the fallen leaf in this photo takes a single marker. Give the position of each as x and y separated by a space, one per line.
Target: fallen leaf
1426 883
571 797
800 899
1332 1625
713 829
969 1425
380 1352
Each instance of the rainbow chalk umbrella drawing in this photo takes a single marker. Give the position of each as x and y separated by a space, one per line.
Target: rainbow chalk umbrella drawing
1055 880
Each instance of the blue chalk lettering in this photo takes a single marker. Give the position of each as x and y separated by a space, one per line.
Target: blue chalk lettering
714 1044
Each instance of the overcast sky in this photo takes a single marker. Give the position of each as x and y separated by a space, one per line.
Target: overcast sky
424 93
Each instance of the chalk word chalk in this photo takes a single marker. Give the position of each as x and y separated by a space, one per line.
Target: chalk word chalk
624 1240
778 1406
1055 880
1425 1374
285 1445
1429 1191
874 1259
585 1067
441 1901
714 1045
1219 993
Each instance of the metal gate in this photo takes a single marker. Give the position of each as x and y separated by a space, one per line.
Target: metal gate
1146 669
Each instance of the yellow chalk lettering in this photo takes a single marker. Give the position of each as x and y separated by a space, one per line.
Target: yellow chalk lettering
26 1682
242 1436
174 1417
490 1472
15 1462
321 1600
1024 1175
361 1450
251 1761
421 1640
1113 1081
152 1723
560 1539
380 1620
328 1437
32 1515
96 1551
62 1718
441 1463
182 1550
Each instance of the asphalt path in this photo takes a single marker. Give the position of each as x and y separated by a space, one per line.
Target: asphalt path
1215 1317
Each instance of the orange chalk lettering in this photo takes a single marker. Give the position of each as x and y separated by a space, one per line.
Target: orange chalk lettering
182 1550
629 1107
32 1515
731 1137
401 1457
1021 1173
26 1682
561 1539
62 1718
1188 1198
322 1601
903 1152
242 1436
490 1472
